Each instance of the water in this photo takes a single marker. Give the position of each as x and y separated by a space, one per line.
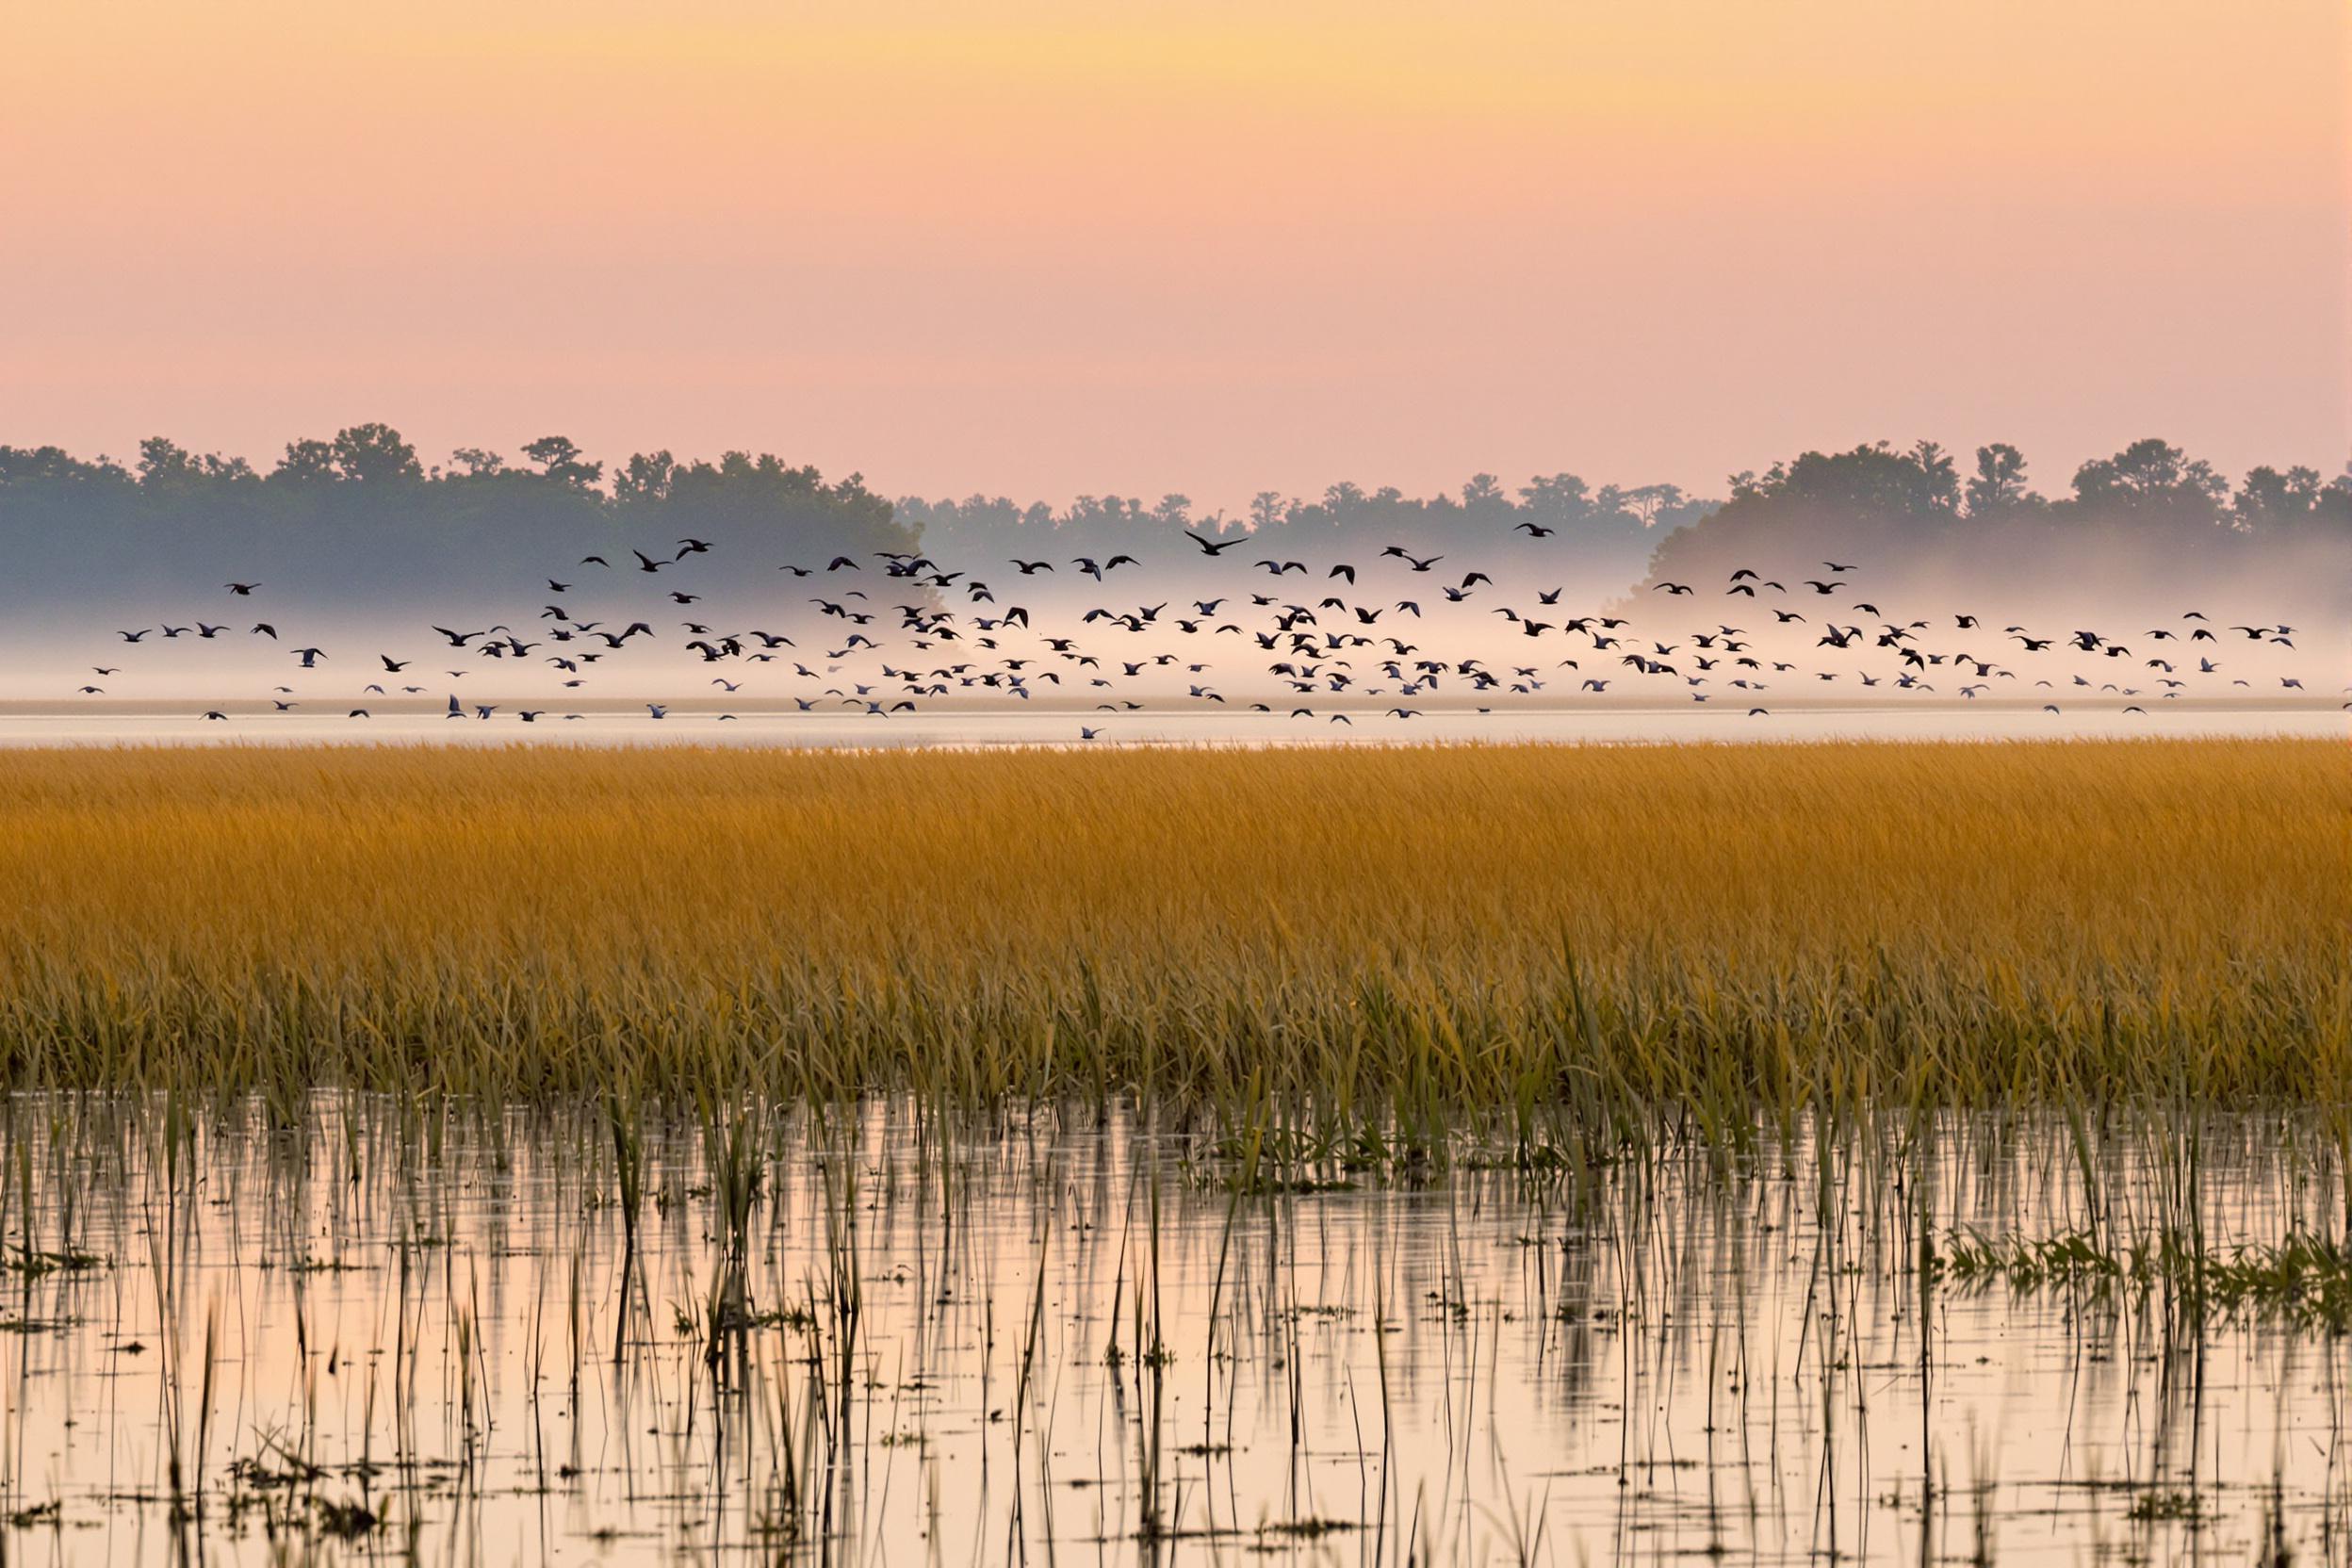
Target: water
1073 1339
1049 724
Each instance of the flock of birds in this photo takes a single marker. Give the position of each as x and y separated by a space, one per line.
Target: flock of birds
899 631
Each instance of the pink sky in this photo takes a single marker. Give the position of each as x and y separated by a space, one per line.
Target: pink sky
1042 249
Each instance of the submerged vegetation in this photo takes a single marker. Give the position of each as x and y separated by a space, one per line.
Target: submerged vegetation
458 1337
1544 948
2301 1276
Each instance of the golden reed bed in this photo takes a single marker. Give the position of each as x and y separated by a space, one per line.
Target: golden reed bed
1533 931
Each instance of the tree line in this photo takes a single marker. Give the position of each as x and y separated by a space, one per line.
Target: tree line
360 514
2148 520
1382 516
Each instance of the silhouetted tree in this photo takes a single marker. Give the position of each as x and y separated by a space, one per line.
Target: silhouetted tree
2268 499
356 517
2148 473
478 463
375 454
2148 509
1653 501
2000 484
2333 507
306 462
645 477
559 458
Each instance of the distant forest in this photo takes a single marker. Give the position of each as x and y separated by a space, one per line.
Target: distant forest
359 517
2148 522
1606 534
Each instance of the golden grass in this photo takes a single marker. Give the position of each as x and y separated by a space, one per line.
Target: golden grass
1536 932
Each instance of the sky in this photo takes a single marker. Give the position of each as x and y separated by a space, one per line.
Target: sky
1042 249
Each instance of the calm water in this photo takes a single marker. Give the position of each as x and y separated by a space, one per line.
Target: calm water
1075 1341
1051 726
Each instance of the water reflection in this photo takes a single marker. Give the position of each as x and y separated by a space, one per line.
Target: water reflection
1047 724
760 1337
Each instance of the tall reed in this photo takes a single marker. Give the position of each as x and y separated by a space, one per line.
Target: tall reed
1569 941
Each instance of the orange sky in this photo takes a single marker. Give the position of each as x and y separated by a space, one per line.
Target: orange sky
1045 247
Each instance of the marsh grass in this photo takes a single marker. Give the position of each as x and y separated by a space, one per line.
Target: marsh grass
1547 943
2302 1276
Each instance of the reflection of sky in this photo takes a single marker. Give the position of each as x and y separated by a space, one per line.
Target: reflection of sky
1641 1376
1044 725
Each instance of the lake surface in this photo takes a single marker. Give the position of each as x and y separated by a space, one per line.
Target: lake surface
1057 725
382 1331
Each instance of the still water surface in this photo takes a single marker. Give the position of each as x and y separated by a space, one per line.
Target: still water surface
1075 1339
1059 725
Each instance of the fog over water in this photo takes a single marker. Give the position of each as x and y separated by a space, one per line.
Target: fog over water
1137 657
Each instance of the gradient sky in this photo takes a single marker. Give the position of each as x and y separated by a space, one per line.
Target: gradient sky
1043 248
